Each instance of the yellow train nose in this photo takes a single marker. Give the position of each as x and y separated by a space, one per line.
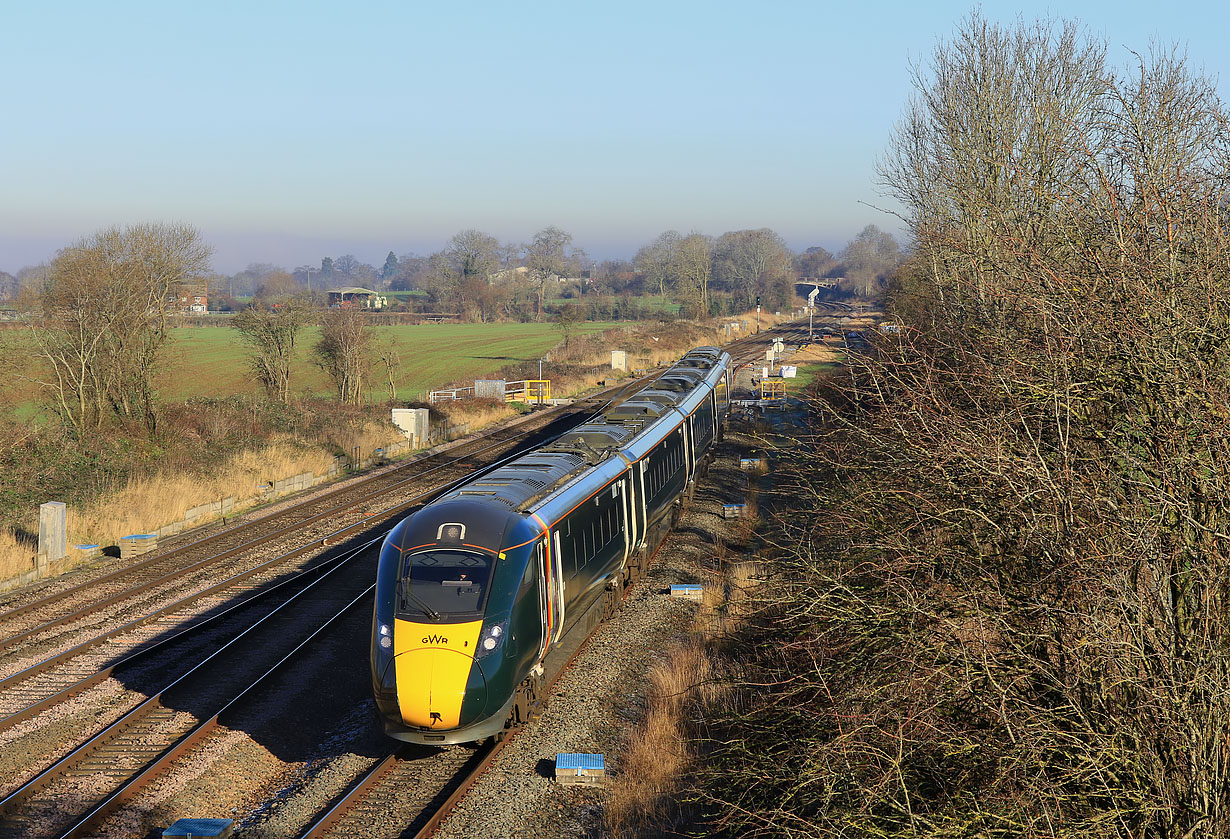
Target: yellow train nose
435 671
431 685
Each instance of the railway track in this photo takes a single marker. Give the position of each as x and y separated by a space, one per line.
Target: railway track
73 796
152 633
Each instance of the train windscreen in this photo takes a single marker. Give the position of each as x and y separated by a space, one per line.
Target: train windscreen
444 586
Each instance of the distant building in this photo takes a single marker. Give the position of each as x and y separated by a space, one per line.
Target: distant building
190 298
356 298
508 274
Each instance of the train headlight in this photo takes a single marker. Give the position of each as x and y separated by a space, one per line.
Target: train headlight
386 637
491 638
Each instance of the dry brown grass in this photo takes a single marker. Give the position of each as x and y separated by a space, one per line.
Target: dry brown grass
659 753
365 437
648 345
659 756
479 413
145 505
15 558
815 353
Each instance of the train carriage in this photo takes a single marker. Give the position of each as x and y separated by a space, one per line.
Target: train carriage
477 590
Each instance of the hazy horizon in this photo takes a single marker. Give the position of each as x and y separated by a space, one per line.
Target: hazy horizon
289 132
233 252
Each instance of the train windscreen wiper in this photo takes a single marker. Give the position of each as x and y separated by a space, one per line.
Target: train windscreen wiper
407 596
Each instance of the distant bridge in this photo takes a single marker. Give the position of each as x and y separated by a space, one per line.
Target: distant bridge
820 282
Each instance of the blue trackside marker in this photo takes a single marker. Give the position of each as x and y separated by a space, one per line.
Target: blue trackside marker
687 591
199 829
579 768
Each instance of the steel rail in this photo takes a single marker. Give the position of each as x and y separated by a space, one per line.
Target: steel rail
498 437
131 787
202 671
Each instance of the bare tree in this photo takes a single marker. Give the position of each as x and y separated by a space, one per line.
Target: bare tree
103 319
460 275
656 261
344 352
277 285
569 318
548 259
869 260
474 255
752 263
390 358
814 262
692 270
271 332
1011 617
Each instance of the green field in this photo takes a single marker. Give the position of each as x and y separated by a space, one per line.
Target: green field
809 372
211 361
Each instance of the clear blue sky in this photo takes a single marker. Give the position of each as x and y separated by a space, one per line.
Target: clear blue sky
288 131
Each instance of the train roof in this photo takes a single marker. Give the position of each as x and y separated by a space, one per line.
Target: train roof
461 522
520 484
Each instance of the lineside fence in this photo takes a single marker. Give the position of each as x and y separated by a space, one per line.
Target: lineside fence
530 391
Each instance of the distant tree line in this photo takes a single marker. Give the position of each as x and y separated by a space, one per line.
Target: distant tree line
100 311
481 279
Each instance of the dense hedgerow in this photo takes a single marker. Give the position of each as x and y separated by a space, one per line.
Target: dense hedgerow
1003 602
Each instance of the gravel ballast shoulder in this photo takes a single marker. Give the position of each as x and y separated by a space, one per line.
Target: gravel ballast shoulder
596 704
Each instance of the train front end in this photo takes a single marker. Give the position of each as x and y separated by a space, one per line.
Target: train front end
448 647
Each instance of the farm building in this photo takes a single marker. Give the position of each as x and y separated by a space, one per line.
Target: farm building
190 298
356 298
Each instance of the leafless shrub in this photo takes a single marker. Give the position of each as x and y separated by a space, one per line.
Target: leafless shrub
1006 612
344 352
271 333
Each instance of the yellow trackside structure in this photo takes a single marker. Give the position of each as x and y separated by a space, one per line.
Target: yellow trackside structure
772 390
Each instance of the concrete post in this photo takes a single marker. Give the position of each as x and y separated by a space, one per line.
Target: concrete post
53 530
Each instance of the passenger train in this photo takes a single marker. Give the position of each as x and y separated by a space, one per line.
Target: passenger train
479 593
